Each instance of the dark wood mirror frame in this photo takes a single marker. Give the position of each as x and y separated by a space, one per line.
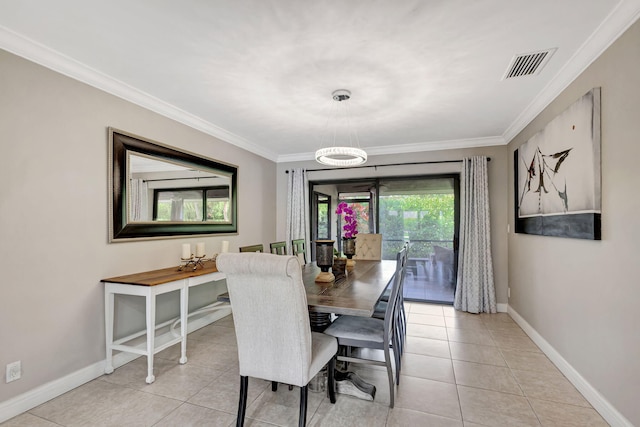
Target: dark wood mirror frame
120 144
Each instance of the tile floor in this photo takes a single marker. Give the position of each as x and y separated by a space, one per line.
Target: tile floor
459 370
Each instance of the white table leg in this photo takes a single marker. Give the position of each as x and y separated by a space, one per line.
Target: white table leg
151 333
108 323
184 318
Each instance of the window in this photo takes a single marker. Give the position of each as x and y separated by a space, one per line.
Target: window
193 205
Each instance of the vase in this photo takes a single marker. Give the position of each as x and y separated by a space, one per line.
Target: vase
324 260
349 249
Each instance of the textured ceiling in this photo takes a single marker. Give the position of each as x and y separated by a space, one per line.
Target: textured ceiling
259 74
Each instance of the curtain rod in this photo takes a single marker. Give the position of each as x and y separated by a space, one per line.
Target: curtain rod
390 164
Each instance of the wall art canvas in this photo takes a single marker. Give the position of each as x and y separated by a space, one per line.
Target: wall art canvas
557 175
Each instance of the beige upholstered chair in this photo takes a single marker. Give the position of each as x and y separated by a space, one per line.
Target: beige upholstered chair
271 319
369 247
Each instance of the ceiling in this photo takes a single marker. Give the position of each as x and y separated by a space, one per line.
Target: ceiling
424 74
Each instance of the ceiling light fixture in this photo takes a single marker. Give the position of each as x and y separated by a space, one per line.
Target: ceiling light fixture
351 155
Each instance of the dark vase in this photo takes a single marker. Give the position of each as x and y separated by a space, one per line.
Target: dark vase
349 246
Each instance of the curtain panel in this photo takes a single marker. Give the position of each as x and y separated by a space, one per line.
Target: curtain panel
475 290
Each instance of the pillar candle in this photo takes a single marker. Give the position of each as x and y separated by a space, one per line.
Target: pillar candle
225 246
200 249
186 250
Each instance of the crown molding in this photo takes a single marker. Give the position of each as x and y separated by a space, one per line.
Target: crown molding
451 144
49 58
616 23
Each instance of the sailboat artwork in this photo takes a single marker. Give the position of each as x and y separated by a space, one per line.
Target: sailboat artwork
557 174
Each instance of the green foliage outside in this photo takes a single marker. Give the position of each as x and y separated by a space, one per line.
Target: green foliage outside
420 219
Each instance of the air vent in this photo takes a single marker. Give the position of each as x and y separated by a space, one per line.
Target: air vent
528 64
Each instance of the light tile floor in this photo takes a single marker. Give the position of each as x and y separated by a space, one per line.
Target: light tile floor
459 369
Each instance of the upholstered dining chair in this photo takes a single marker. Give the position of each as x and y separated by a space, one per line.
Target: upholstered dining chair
278 248
298 249
271 319
356 333
252 248
369 247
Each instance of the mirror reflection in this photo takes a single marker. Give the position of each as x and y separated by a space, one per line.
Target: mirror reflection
171 192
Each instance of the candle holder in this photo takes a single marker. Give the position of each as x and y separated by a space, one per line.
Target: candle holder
324 260
194 262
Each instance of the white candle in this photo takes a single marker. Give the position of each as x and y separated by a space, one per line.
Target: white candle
186 250
225 246
200 249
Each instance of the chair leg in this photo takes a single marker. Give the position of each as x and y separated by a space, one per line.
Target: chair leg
387 360
274 385
302 421
331 384
242 404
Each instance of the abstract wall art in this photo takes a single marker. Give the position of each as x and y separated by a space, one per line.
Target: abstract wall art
557 174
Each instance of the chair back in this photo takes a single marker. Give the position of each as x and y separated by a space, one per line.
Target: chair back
369 247
299 250
278 248
269 305
252 248
395 298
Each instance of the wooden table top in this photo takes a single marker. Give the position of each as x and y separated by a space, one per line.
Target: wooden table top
355 295
164 275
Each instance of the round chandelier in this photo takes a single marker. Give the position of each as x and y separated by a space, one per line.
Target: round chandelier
342 155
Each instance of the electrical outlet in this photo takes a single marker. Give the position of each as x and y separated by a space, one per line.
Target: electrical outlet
509 292
14 371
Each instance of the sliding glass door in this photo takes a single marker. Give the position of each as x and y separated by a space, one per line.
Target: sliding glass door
424 212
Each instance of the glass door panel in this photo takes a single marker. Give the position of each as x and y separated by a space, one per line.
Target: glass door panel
422 211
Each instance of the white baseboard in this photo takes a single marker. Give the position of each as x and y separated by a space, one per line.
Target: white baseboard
39 395
597 400
502 308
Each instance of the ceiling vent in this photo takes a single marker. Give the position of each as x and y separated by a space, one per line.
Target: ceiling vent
528 64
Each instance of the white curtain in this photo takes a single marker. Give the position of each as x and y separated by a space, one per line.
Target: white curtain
475 290
138 200
297 209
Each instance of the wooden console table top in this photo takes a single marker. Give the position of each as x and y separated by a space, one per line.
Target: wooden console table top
164 275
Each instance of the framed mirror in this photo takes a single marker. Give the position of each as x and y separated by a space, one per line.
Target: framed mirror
157 191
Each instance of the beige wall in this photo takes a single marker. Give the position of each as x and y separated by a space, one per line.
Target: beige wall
582 296
53 217
498 188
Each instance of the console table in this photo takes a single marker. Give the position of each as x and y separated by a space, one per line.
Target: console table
149 285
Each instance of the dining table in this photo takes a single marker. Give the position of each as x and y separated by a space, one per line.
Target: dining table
355 294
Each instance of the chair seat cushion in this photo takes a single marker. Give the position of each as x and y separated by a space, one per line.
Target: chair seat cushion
323 348
351 329
379 310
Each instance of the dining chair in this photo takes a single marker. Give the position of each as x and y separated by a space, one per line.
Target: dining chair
271 319
356 333
278 248
252 248
401 317
299 250
369 247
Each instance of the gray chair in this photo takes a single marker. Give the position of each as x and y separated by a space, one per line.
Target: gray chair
356 333
252 248
271 319
400 313
278 248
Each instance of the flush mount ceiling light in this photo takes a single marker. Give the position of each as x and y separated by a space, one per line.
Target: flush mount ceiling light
335 155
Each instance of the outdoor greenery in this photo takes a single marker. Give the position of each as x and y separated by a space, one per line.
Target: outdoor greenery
423 220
